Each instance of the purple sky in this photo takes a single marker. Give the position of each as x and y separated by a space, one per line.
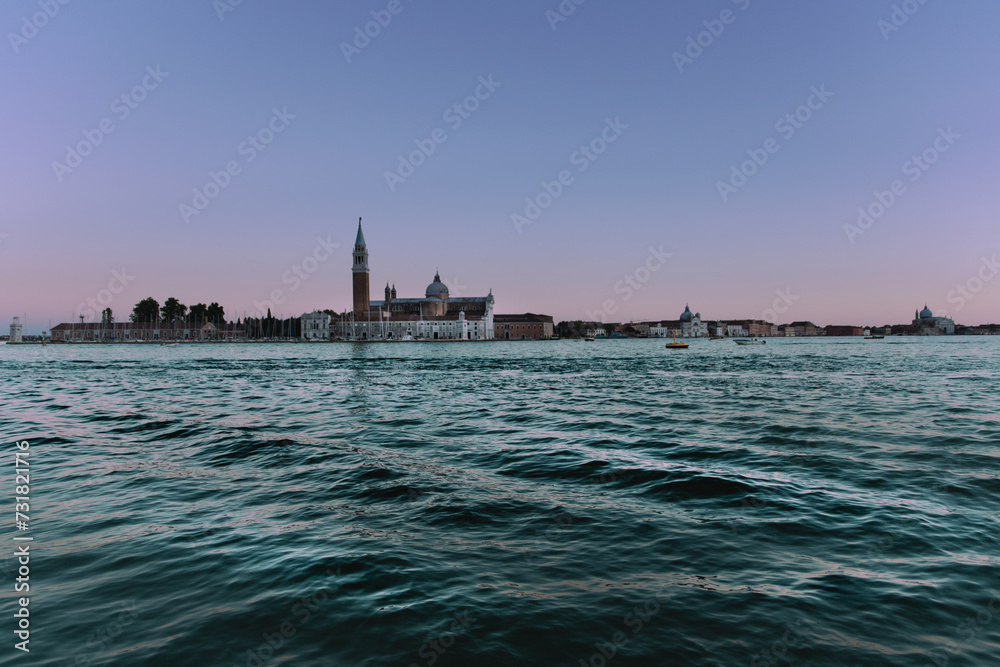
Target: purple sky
675 117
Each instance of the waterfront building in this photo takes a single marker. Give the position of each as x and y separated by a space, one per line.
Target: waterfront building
716 328
802 328
316 325
128 332
668 329
743 328
436 316
15 331
528 326
688 325
925 324
844 330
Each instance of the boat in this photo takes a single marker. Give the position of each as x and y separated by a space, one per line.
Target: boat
169 344
874 337
750 341
590 338
676 346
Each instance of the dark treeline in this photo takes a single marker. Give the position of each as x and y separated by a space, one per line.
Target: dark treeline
173 311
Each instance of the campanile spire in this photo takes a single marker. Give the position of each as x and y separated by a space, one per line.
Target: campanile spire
360 273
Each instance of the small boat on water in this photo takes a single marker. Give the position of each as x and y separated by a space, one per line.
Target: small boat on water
874 337
676 346
750 341
169 344
590 338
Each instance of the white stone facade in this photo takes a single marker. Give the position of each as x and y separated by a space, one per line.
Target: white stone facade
316 326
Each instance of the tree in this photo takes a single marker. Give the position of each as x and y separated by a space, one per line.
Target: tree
173 310
107 317
197 313
216 314
147 310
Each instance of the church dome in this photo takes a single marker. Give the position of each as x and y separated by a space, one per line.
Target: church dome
687 314
926 313
437 288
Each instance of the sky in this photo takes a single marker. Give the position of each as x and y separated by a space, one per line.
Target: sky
824 161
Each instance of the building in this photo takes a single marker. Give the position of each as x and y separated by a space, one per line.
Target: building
985 330
743 328
528 326
844 330
802 329
129 332
436 316
15 331
594 329
688 325
925 324
316 325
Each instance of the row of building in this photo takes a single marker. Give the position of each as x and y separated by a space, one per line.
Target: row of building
691 325
435 316
129 332
440 316
316 326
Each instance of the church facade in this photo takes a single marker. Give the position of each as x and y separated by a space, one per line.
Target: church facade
925 324
436 316
689 325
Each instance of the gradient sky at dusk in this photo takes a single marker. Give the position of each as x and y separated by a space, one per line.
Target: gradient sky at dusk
655 186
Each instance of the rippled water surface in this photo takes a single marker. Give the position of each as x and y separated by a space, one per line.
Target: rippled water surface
807 502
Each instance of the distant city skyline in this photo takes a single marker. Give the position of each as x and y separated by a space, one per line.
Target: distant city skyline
836 160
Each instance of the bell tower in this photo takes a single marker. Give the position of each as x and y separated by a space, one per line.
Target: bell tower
360 274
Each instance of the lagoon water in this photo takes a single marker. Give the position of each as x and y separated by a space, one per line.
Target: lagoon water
819 502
